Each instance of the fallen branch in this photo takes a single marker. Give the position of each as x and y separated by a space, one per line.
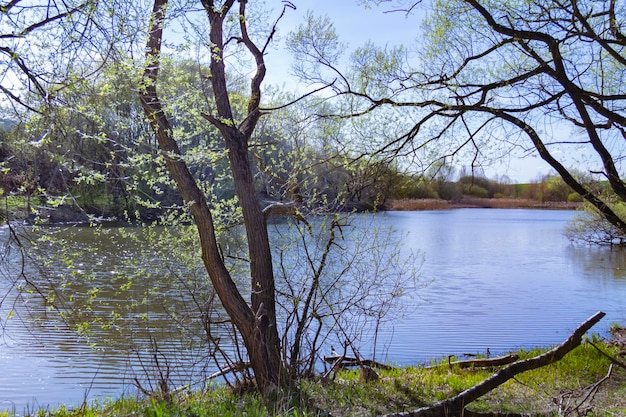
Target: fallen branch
455 406
592 389
611 358
232 368
479 363
347 361
333 369
486 363
235 367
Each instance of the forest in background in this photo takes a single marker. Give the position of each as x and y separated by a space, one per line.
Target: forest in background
122 180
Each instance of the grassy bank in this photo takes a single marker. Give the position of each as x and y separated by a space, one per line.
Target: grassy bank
574 386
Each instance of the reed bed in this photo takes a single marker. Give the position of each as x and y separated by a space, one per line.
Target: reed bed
474 202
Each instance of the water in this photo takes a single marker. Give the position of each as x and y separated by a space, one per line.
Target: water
497 279
503 279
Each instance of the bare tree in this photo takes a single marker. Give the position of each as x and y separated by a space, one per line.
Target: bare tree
491 78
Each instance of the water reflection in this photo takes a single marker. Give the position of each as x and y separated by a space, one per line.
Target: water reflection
600 262
135 304
501 279
124 321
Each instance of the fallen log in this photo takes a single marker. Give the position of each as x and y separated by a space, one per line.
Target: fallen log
234 367
486 362
347 361
455 406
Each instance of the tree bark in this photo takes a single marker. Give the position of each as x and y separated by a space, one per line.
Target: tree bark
263 294
257 325
455 406
483 362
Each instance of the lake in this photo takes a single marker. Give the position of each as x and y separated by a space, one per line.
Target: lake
493 279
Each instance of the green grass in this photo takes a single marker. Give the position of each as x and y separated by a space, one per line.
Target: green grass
552 390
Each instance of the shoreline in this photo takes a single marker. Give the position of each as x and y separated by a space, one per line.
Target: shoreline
72 215
581 371
474 202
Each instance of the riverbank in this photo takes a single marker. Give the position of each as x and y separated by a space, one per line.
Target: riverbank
582 383
474 202
71 214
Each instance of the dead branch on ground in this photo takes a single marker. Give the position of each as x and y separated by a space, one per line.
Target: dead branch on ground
584 405
455 406
348 361
480 362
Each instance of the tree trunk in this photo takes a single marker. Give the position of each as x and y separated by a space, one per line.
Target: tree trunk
236 140
257 326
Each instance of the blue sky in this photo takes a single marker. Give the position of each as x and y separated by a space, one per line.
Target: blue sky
355 25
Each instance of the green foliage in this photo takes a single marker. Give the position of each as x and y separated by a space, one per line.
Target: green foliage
554 189
478 186
408 187
376 70
96 154
574 198
314 45
141 292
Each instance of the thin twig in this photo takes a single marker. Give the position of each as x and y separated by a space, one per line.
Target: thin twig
594 387
611 358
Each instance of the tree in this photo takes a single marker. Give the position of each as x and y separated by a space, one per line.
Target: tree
498 77
50 55
589 227
92 134
274 363
257 322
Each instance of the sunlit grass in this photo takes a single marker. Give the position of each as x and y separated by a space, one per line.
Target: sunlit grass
545 390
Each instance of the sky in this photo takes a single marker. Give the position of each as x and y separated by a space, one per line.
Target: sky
355 25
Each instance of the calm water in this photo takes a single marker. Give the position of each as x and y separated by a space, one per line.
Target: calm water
497 279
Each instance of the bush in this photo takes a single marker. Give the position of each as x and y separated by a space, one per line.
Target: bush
449 191
590 227
475 191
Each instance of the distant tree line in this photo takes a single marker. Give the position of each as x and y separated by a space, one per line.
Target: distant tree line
76 164
99 155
